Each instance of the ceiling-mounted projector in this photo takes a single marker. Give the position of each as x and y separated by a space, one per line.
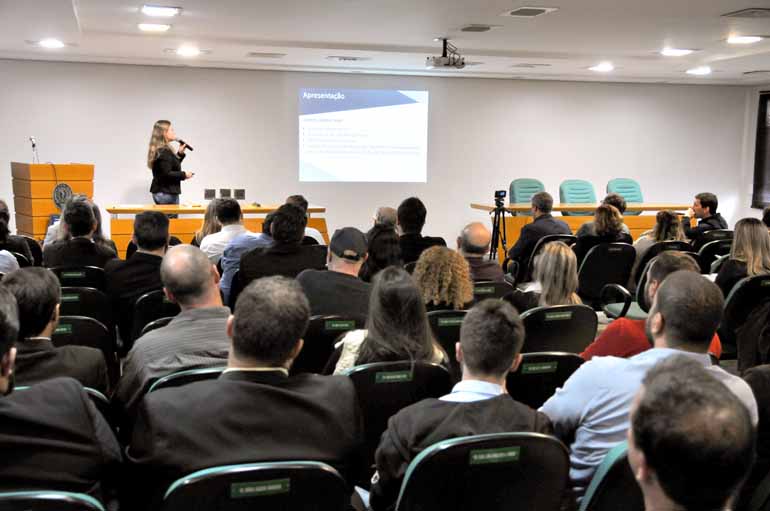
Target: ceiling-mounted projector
450 58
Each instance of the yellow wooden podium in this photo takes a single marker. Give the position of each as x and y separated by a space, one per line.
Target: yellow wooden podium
34 185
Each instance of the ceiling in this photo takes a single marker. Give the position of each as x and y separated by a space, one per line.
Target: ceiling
396 36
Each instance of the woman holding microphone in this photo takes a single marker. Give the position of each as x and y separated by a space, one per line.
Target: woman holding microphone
166 165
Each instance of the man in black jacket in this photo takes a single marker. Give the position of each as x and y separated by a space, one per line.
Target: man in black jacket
543 224
79 222
704 208
411 215
491 338
255 411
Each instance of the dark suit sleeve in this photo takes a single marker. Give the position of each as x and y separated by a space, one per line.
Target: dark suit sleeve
543 424
105 441
143 460
692 233
392 460
166 165
524 245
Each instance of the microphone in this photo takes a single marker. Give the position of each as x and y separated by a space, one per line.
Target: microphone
34 143
185 143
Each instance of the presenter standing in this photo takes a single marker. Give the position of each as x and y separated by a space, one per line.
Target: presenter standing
166 164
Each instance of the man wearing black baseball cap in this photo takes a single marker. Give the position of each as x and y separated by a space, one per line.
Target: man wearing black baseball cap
339 290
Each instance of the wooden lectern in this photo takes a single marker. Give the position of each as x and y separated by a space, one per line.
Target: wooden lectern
36 184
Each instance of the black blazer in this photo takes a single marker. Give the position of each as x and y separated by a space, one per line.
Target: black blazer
244 417
412 245
126 282
531 233
76 252
731 272
167 172
17 244
709 223
281 259
38 360
54 439
586 243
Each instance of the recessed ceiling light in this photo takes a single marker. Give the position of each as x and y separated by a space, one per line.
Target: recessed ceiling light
602 67
50 43
188 51
743 39
159 11
153 27
675 52
699 71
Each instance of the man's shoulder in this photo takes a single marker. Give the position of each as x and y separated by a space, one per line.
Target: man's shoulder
66 392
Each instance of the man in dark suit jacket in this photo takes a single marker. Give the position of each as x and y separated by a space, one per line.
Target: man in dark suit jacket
286 255
38 295
491 338
411 215
79 222
254 411
704 208
542 225
128 280
51 435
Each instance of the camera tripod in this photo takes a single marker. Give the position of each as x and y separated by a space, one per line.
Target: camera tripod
498 236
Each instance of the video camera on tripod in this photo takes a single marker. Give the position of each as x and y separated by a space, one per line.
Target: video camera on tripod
498 236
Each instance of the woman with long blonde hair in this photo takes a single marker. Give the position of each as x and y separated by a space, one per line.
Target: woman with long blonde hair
166 165
749 254
210 223
444 279
608 227
667 228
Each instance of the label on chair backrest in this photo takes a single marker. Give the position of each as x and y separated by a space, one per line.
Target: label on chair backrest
539 367
259 488
393 376
63 329
453 321
70 298
765 283
484 290
500 455
558 316
339 324
614 249
73 274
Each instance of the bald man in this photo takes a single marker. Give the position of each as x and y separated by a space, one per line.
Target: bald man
473 244
196 338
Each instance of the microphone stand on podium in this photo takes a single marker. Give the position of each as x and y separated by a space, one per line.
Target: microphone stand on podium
499 236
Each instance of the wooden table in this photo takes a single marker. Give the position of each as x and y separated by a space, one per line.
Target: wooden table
520 215
191 220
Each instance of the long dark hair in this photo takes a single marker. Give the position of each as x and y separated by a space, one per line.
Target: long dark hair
384 250
98 235
5 218
397 325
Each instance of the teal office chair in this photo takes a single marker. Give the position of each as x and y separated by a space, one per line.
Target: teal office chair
613 485
523 189
629 189
48 501
577 191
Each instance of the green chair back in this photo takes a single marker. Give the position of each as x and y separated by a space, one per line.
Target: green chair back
629 189
613 486
522 190
577 191
48 501
184 377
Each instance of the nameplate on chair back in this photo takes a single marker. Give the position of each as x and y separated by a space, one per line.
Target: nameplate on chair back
614 249
500 455
63 329
339 324
393 376
765 283
539 368
484 290
73 274
452 321
70 298
259 488
558 316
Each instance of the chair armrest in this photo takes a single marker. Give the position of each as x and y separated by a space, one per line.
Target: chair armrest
604 299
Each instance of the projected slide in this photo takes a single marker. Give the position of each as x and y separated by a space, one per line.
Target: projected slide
363 135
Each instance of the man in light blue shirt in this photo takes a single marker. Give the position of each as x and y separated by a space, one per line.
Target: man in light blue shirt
231 257
593 406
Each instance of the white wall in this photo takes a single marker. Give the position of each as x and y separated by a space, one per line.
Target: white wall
676 140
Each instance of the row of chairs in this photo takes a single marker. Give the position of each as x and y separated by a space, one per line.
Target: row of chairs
576 191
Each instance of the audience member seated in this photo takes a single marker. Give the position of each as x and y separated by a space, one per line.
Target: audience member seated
385 216
667 228
591 411
749 255
491 338
543 224
79 225
704 208
411 216
608 228
315 234
555 280
255 411
625 337
230 262
8 262
210 223
8 241
473 243
691 441
140 273
396 327
38 296
195 338
383 250
338 290
51 435
230 218
444 280
613 199
54 232
100 240
286 255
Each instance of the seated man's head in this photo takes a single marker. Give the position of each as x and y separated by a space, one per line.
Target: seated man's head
299 201
78 219
411 216
474 240
229 212
151 231
347 251
705 205
617 200
685 312
664 265
9 331
691 441
268 323
385 217
38 295
189 278
542 204
288 224
491 338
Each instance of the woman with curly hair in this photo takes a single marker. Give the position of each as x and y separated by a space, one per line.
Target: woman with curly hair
608 224
444 279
